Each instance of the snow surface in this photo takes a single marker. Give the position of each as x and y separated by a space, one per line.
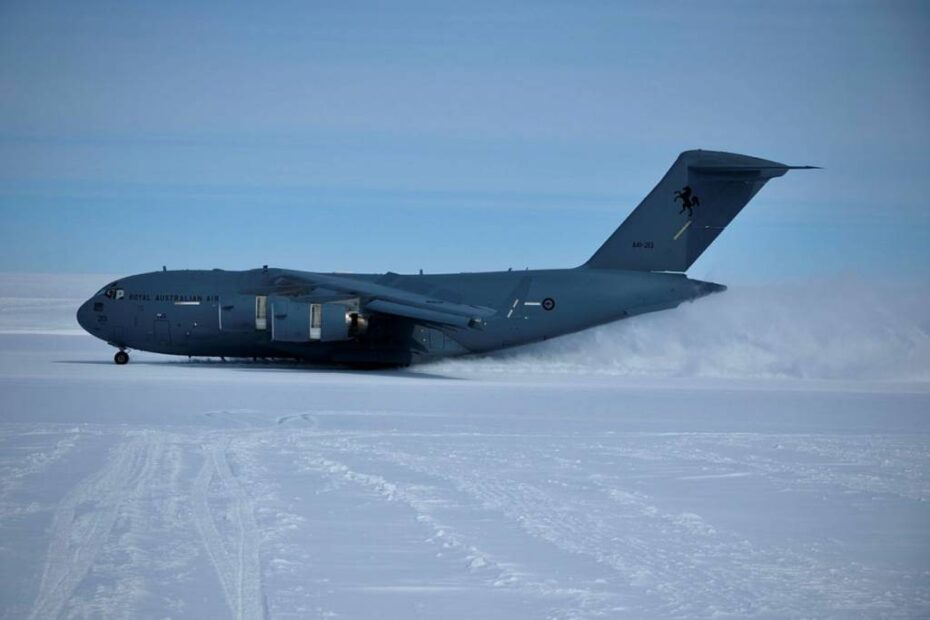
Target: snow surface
755 454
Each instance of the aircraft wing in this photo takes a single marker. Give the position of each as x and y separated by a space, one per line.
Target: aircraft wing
389 300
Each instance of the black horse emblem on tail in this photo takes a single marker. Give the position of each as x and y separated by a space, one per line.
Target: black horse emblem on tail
688 199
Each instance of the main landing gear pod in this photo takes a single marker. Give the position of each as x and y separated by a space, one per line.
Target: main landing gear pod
121 357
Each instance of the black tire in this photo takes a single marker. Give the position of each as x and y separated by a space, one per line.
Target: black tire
121 358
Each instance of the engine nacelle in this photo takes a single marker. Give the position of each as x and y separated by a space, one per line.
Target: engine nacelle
358 324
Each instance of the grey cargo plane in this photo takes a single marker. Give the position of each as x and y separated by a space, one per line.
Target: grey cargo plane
393 320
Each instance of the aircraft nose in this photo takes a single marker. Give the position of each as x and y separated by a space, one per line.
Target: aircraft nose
85 316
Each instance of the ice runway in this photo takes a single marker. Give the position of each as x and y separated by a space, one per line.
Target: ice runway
175 489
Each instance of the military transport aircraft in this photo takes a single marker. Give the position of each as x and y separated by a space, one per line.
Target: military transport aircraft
393 320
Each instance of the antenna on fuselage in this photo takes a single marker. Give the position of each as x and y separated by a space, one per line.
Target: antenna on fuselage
164 268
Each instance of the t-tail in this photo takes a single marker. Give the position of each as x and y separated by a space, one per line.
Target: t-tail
700 194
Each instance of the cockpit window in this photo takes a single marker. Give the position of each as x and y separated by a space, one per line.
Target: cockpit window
112 291
106 288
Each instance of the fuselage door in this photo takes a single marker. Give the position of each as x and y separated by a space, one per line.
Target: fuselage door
335 323
290 320
330 322
243 313
161 330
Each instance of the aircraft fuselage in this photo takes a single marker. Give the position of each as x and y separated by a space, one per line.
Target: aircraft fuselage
244 314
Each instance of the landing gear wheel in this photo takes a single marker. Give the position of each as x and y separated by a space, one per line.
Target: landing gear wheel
121 358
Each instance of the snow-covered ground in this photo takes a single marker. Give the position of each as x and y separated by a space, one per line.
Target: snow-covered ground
748 455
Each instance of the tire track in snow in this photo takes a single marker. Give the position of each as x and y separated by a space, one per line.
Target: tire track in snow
15 469
146 554
672 573
411 496
235 559
83 521
570 602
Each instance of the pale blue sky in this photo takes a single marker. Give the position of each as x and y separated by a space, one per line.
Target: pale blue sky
466 136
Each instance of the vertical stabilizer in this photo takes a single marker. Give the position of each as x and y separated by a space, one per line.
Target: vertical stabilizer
695 200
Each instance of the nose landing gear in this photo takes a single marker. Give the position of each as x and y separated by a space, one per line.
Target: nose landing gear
121 357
